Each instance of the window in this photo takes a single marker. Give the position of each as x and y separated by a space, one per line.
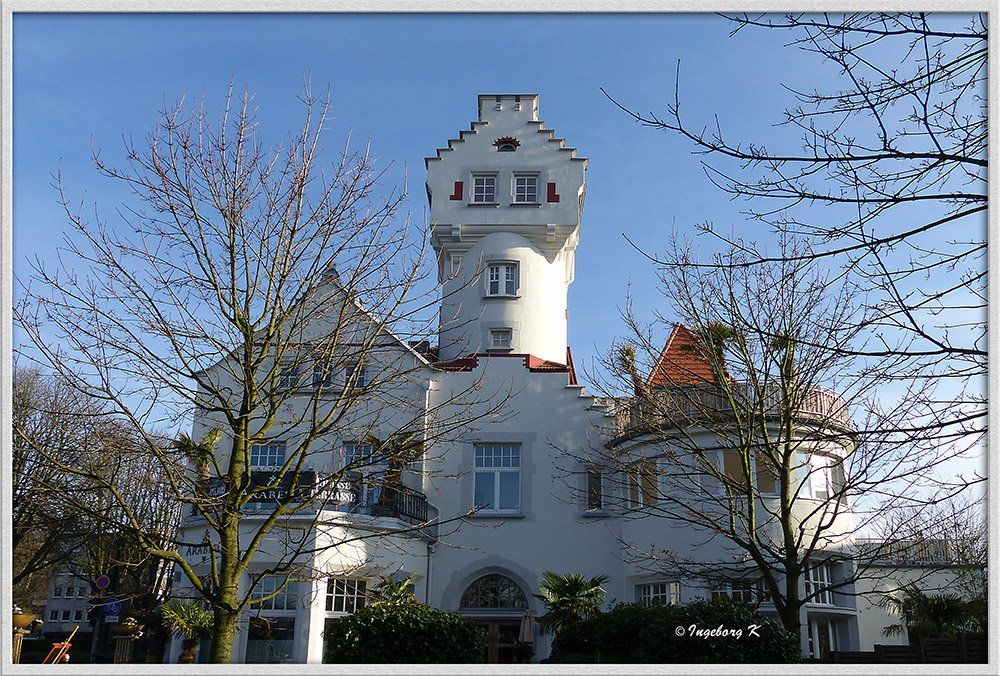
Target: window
500 339
65 615
78 616
741 591
355 376
484 189
526 188
324 374
818 483
818 579
366 473
501 279
498 477
642 485
289 376
57 592
346 594
267 456
595 489
70 591
492 592
286 599
53 616
732 467
81 592
767 478
270 640
660 593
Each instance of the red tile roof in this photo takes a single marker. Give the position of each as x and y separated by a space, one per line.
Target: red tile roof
681 361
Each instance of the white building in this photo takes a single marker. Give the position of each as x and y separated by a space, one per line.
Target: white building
506 200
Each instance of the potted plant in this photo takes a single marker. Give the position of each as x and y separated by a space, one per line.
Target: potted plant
190 621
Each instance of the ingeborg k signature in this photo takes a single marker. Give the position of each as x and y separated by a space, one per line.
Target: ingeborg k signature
724 632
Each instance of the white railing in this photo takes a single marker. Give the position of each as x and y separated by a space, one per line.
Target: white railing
905 552
678 406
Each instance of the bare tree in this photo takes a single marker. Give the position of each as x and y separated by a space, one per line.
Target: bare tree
62 519
755 433
43 527
886 176
231 288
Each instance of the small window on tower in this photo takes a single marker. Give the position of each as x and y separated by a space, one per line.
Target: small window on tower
484 189
501 279
526 188
500 339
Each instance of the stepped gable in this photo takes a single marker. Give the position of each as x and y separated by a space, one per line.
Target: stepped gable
680 362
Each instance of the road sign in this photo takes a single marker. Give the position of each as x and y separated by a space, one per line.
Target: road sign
112 607
111 619
103 581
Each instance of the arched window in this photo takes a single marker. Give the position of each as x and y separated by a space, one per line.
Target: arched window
506 144
494 591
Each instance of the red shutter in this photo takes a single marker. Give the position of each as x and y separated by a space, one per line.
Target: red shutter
458 191
552 197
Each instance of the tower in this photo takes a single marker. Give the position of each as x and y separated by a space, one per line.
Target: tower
505 204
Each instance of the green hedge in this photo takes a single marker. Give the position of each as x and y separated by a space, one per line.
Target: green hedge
393 633
631 633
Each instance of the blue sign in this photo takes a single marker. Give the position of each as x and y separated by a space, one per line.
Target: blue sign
112 606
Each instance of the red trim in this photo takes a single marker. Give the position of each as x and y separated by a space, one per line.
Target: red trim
552 197
572 369
458 191
531 362
505 140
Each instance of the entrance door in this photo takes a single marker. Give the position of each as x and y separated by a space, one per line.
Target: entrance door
501 637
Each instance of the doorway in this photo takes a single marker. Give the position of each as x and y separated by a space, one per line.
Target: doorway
501 637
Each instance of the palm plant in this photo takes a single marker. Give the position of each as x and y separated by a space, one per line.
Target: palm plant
926 616
190 621
569 599
393 592
201 454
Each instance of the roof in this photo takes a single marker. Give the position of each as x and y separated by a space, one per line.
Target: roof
531 362
681 361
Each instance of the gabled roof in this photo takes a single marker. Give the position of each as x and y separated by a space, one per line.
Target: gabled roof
681 361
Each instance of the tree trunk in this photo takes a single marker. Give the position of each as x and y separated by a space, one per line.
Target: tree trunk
225 636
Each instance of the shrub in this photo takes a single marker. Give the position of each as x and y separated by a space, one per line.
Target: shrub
396 633
631 633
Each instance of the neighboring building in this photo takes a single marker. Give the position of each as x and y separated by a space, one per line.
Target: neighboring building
506 200
67 605
935 566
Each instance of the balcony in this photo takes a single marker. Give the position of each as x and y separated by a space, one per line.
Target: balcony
667 408
356 493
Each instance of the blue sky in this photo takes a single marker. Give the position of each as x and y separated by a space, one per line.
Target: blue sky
409 82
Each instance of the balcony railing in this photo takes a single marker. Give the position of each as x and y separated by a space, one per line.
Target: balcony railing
905 552
360 495
679 406
357 493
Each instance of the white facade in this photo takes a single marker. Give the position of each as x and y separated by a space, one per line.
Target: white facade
506 200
